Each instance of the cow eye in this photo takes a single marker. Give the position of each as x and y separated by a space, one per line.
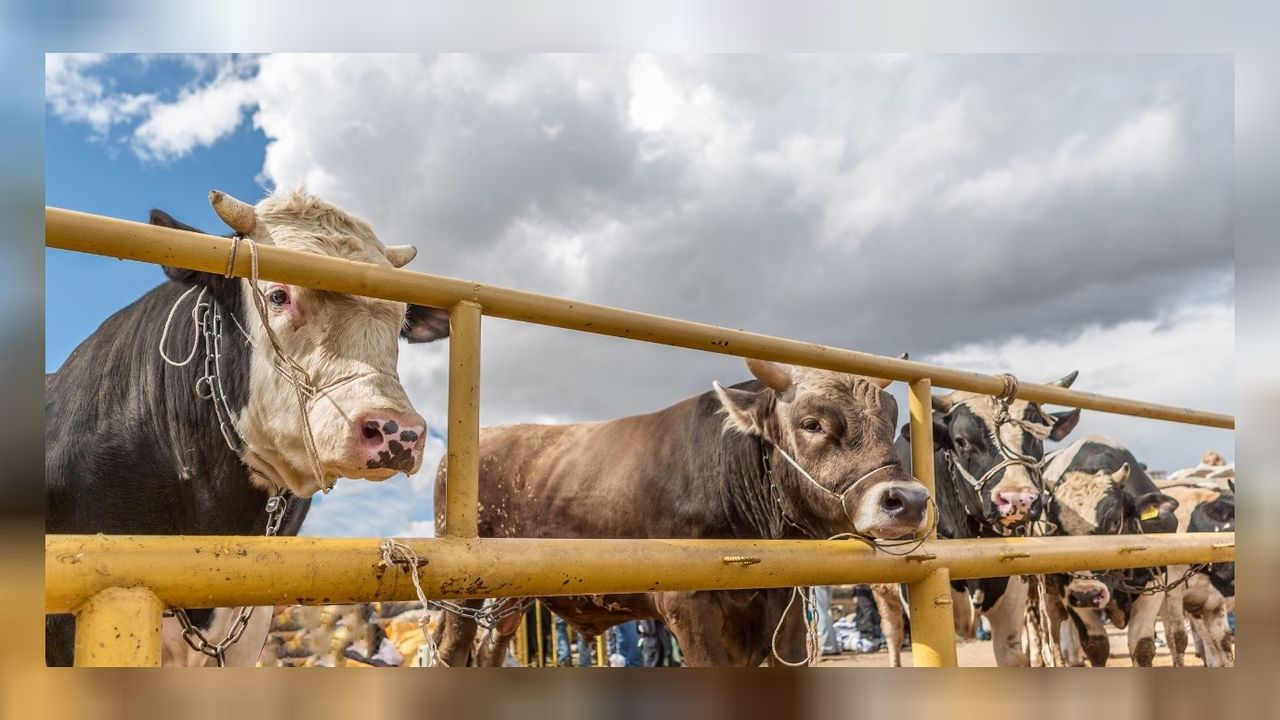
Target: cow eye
961 444
278 297
811 425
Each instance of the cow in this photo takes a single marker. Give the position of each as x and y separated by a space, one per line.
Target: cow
1097 487
180 414
986 474
716 465
1208 594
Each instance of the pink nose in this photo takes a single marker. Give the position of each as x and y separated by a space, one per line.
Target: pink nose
1014 505
391 440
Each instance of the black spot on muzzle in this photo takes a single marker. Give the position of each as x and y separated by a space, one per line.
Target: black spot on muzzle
397 457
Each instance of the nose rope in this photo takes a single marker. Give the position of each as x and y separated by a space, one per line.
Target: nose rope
297 375
1012 457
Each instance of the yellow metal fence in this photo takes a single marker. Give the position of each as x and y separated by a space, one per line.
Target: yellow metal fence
117 586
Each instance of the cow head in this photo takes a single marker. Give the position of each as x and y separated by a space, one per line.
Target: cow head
965 433
839 429
1098 504
343 346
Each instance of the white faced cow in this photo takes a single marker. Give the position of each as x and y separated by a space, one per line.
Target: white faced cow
181 413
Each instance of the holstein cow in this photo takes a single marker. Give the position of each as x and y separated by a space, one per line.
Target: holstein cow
1207 597
987 479
711 466
1097 487
178 415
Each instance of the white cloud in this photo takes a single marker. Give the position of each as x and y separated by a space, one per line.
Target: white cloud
1145 148
199 117
1040 213
204 111
76 96
1184 358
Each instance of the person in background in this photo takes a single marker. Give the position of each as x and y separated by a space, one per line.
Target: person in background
624 640
867 616
585 650
655 644
826 630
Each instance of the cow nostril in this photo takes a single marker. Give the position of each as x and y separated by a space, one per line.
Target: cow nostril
892 500
371 430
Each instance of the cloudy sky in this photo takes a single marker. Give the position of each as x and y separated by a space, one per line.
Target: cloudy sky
1030 214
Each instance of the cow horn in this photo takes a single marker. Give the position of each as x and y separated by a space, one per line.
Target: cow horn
238 215
400 255
1066 380
1120 476
773 375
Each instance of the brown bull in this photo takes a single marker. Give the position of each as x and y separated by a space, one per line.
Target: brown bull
797 453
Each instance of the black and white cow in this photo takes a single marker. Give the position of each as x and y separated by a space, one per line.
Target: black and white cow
986 475
178 415
1097 487
1208 595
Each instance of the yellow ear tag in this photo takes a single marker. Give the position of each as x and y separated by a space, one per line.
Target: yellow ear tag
1150 513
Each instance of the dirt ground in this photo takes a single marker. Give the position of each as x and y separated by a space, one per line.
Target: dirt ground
977 653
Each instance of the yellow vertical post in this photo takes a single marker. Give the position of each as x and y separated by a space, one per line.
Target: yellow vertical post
522 640
119 627
462 482
555 643
602 659
933 631
537 627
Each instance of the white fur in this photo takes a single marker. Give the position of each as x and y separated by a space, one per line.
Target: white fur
337 338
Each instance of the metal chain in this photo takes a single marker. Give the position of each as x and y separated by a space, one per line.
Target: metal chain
277 506
397 553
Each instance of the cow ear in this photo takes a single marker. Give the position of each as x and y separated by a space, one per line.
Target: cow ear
1220 511
941 434
1063 423
1155 512
744 409
942 403
213 281
423 324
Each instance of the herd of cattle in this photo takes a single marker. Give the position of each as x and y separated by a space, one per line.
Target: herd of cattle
184 414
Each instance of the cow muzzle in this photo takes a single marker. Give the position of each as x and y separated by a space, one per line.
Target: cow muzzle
389 443
1088 593
893 509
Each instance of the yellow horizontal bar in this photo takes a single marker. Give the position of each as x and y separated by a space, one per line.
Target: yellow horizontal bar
70 230
231 571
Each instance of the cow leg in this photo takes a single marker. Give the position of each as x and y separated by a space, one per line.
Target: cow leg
456 636
1173 617
59 640
1060 629
1008 619
697 621
1142 628
1093 634
1208 614
962 613
889 603
792 644
1069 638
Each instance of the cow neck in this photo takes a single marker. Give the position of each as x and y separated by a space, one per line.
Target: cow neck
220 383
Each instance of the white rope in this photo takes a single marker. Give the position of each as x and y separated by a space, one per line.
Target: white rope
296 374
397 553
195 324
809 606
